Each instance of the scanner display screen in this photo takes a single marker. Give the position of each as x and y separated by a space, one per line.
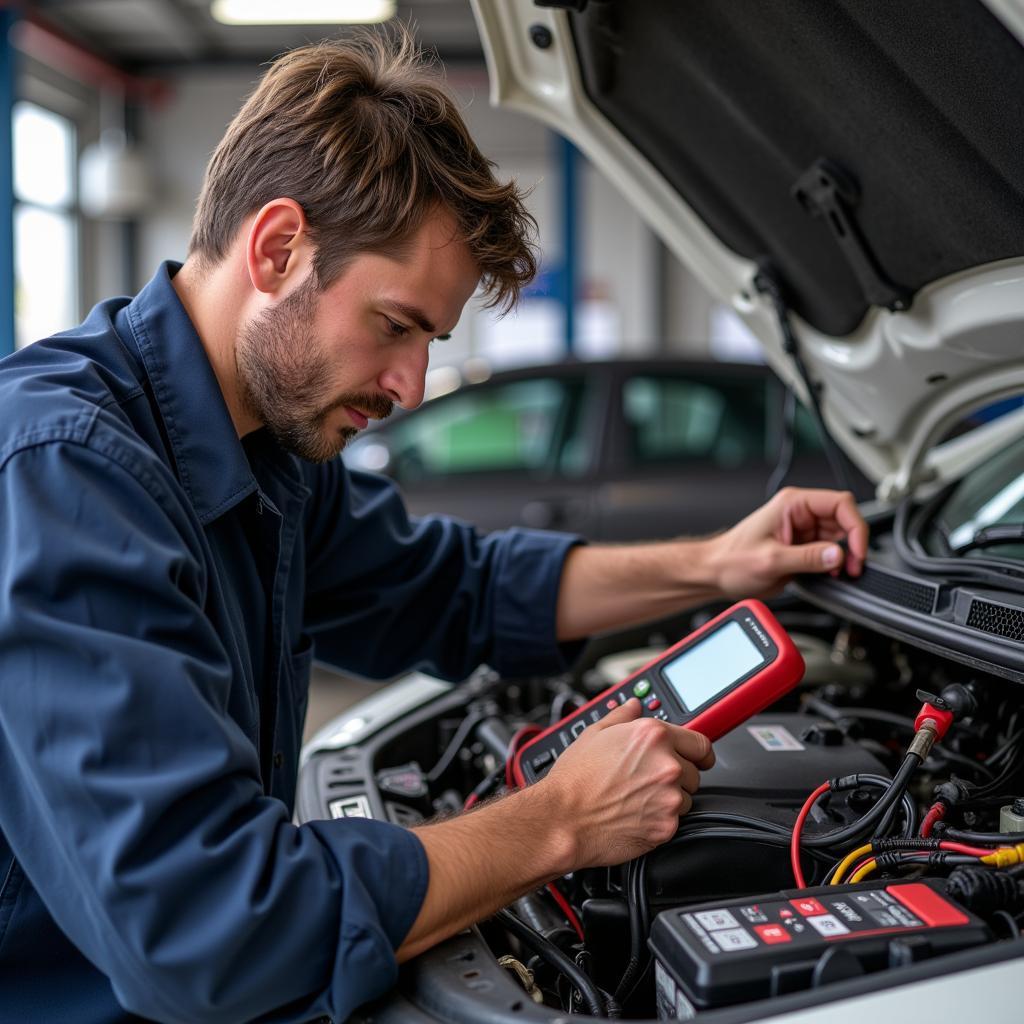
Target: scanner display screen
712 665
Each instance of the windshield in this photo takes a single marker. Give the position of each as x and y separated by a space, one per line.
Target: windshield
983 515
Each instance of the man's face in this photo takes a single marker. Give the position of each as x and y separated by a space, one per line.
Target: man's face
316 366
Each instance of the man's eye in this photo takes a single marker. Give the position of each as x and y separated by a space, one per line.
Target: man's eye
396 329
440 337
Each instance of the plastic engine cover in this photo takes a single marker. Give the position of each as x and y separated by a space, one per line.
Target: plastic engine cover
765 769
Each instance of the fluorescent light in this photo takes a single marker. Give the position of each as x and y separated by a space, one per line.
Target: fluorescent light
302 12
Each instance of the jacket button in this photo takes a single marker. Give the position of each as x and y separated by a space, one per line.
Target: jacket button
278 760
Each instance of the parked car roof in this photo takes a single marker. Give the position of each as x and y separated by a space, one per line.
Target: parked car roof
615 450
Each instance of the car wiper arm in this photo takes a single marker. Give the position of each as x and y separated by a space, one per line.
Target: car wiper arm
993 536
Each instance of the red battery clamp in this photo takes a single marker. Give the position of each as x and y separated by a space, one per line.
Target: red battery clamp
712 680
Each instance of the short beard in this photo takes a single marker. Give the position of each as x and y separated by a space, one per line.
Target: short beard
283 374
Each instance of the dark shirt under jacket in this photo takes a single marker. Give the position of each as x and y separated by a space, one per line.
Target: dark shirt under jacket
162 587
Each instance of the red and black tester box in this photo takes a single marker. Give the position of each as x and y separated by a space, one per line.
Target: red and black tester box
712 680
719 954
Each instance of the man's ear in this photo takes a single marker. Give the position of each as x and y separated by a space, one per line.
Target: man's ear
279 255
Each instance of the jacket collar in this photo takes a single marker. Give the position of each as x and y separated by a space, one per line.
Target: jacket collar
210 460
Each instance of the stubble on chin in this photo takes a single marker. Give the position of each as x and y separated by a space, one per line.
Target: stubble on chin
283 373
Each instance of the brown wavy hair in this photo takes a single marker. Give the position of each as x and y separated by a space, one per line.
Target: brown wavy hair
365 136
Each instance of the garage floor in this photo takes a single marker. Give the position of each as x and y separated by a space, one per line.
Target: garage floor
330 693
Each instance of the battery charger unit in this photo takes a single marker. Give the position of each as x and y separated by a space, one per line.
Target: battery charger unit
728 952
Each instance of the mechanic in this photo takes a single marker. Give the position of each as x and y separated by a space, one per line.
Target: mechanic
177 534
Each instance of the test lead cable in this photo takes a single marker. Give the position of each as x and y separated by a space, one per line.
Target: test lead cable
931 725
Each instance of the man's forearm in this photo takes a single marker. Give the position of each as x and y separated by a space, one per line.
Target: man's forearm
482 861
607 587
796 532
620 788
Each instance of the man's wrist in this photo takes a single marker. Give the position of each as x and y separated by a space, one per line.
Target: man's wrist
703 566
558 843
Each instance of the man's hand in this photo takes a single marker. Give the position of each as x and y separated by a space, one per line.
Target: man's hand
625 782
798 531
615 793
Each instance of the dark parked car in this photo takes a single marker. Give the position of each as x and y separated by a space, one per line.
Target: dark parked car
613 450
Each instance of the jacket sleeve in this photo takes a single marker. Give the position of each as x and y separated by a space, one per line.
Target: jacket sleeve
387 592
133 801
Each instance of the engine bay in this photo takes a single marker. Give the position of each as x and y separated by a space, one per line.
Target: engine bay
829 761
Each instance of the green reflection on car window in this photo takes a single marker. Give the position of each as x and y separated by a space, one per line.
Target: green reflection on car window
689 418
517 426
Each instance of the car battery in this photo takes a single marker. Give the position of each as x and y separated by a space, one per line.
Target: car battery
763 770
727 952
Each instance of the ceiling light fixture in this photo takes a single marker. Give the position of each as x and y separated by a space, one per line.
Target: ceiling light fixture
302 12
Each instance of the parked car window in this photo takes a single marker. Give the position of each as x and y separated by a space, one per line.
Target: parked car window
983 516
521 425
688 418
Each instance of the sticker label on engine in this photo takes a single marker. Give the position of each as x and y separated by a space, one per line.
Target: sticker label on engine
672 1003
775 737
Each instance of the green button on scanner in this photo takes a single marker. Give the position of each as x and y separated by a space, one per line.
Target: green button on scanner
641 689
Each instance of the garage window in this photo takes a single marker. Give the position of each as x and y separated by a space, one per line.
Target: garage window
45 223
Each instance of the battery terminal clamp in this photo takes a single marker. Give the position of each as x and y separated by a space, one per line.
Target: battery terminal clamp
937 714
934 720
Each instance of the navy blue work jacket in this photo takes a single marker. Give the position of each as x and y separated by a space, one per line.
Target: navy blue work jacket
162 588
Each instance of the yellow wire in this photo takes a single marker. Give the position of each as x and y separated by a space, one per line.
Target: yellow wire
862 873
848 861
1005 856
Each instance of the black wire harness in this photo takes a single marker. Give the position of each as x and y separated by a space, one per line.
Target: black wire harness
593 998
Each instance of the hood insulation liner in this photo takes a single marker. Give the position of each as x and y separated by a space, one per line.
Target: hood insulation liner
919 102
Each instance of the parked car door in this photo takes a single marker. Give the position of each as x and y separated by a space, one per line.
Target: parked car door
513 451
689 452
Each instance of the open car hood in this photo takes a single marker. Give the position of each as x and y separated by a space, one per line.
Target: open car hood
865 155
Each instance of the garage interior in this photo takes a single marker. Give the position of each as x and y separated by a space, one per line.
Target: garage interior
626 399
135 95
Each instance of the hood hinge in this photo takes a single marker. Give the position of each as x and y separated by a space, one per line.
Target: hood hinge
828 192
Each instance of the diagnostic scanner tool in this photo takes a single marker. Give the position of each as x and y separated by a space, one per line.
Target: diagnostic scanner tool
735 951
712 680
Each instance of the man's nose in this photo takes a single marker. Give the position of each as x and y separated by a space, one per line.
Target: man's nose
404 379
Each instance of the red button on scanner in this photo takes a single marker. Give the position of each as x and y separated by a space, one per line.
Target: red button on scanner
773 933
808 906
654 704
611 704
